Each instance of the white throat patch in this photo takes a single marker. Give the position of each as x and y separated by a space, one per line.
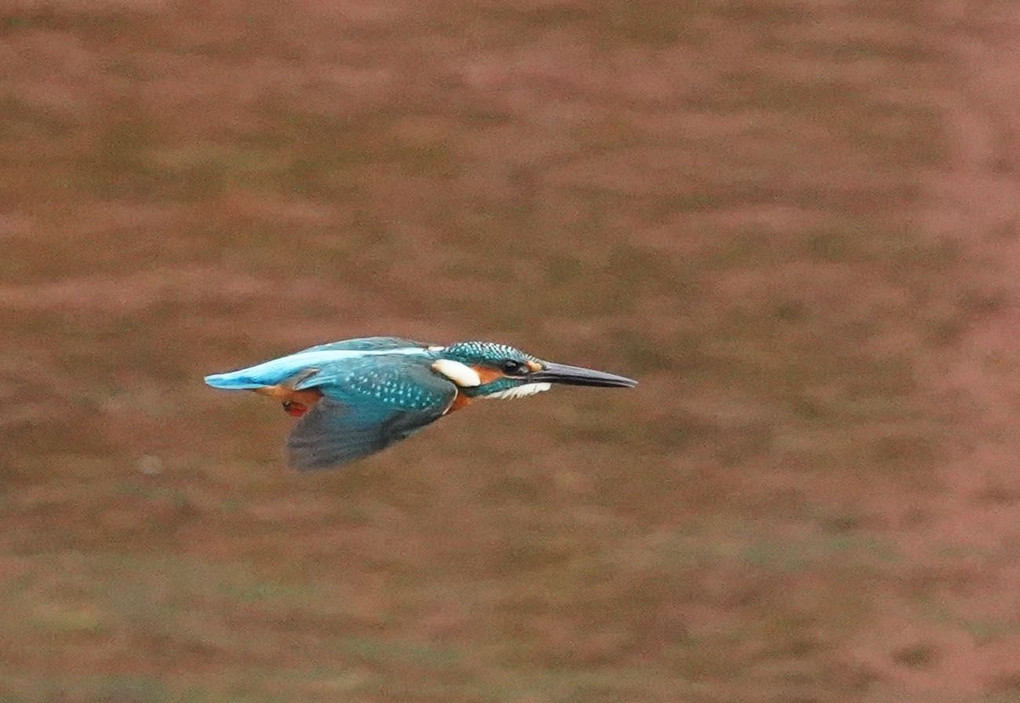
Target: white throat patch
461 374
520 391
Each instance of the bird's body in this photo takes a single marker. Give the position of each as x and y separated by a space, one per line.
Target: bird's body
358 396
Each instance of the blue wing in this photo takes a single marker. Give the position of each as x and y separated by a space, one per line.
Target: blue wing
368 344
271 373
366 407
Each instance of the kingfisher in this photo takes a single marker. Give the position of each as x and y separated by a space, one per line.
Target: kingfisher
358 396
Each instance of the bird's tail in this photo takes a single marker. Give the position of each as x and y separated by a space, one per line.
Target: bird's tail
234 381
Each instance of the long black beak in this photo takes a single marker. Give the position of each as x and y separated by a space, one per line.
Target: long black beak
577 376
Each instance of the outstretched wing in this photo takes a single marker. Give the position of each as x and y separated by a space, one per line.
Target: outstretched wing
364 409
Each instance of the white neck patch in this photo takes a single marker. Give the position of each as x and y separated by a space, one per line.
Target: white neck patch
461 374
520 391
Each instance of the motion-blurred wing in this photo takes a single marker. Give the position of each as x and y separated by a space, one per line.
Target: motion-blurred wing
365 411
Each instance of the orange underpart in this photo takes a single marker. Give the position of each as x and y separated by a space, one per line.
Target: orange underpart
295 403
308 397
459 402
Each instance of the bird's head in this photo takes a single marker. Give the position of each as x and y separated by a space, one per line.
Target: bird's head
491 370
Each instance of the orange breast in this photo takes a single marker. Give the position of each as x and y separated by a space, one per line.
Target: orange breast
459 401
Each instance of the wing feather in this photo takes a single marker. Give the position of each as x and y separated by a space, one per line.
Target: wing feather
367 344
365 410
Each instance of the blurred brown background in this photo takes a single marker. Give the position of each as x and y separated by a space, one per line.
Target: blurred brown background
795 222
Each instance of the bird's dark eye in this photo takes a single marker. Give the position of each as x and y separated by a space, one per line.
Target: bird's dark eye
512 367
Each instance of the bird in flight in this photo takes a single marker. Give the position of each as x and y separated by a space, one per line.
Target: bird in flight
359 396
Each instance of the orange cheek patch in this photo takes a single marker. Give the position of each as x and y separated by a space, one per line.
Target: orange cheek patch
487 375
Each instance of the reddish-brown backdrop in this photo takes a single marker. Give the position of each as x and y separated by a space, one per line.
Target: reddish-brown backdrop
795 222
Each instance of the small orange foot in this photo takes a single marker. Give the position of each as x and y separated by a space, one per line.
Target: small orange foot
295 403
295 409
